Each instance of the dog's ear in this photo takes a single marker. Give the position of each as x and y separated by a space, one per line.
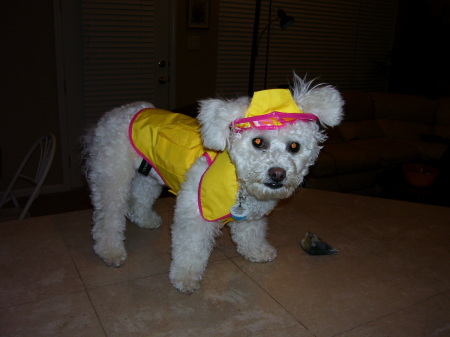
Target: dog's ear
323 101
215 117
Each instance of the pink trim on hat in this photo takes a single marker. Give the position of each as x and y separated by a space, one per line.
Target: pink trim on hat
266 122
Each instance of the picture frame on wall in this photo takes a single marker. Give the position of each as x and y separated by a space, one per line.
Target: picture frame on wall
198 14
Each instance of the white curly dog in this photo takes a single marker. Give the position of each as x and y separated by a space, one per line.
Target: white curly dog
242 156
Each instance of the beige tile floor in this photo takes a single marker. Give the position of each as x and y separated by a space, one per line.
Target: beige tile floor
391 276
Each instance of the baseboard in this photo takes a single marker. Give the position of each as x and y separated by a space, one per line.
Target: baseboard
25 192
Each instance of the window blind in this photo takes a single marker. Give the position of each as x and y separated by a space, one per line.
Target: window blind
344 43
118 44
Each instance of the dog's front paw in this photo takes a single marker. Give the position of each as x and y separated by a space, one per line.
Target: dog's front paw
186 286
184 281
263 253
112 256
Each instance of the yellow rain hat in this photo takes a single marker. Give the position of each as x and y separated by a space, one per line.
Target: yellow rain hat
272 109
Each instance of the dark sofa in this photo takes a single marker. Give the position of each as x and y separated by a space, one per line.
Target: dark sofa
380 132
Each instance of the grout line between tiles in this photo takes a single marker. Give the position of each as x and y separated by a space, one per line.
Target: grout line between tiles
265 291
126 280
390 313
96 313
41 299
82 281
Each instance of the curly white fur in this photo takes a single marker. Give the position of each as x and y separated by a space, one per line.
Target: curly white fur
117 191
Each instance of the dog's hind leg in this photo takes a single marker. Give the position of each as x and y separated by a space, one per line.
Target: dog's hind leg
144 191
250 239
110 185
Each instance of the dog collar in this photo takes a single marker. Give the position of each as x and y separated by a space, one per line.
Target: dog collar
271 109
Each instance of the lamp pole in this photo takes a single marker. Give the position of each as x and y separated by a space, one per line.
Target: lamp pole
268 45
285 22
254 48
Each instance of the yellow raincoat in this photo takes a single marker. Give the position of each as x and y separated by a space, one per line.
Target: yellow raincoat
171 143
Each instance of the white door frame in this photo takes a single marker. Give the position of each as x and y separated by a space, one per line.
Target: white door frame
67 15
68 44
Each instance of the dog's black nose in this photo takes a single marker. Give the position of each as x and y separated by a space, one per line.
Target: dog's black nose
277 174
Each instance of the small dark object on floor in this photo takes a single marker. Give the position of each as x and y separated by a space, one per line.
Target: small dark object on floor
313 245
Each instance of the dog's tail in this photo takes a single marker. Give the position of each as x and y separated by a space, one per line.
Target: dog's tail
85 141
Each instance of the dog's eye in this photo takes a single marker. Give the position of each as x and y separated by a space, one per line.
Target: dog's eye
293 147
259 143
